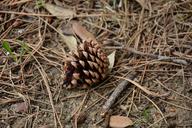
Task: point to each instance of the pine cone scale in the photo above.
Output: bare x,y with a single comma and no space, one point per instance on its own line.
86,66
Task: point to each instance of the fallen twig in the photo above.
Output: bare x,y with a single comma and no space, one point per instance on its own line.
176,60
116,93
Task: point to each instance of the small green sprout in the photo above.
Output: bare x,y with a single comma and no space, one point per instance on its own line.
7,47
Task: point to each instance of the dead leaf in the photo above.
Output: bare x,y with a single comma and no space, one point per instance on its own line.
120,121
70,40
111,58
67,29
80,31
143,3
59,12
20,107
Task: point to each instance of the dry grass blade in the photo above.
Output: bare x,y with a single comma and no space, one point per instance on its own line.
157,108
160,83
153,38
159,57
179,106
43,75
6,101
18,2
143,88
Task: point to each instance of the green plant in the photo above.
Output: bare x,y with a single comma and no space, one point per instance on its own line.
39,3
7,47
17,57
23,49
146,114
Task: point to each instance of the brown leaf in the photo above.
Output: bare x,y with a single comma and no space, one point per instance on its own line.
20,107
59,12
80,31
67,29
120,121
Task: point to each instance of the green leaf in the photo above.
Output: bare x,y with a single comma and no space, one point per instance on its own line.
39,4
6,46
146,114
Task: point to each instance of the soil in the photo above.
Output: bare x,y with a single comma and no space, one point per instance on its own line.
32,55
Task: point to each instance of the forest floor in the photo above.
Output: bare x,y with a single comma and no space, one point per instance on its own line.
152,38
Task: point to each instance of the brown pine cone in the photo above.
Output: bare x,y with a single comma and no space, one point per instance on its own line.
86,66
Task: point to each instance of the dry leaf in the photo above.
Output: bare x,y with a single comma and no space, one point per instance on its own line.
20,107
70,41
120,121
143,3
67,29
111,58
80,31
59,12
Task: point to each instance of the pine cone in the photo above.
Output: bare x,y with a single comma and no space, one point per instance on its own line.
86,66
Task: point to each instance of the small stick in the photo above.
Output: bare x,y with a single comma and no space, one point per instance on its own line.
111,100
176,60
